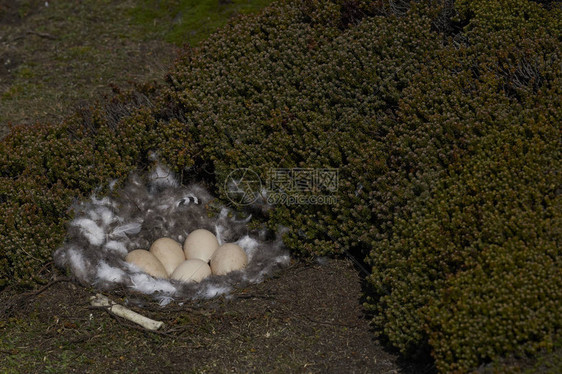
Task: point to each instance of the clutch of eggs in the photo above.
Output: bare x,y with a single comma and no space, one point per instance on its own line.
199,257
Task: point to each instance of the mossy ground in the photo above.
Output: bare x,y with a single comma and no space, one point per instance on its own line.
189,21
55,58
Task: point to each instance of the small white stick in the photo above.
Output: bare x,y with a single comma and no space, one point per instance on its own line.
101,301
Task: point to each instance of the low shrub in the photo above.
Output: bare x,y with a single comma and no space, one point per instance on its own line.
401,110
474,271
471,271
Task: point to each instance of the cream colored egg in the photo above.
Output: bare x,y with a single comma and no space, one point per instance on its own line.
200,244
147,262
228,257
169,252
192,271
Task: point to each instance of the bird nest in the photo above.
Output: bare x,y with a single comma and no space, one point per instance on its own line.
152,206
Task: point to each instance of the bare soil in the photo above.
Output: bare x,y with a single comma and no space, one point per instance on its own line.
56,56
307,318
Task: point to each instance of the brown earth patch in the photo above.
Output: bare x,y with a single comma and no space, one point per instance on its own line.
308,318
56,58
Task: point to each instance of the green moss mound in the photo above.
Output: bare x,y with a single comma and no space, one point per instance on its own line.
442,119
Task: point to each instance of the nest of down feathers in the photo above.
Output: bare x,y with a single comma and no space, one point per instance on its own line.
105,229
